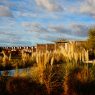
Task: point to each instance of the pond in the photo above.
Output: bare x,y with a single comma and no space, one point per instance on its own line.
13,72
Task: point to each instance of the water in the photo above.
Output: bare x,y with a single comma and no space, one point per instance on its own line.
12,72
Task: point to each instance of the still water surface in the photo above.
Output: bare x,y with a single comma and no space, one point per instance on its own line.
12,72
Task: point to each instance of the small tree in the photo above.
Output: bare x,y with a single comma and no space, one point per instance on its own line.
91,39
91,43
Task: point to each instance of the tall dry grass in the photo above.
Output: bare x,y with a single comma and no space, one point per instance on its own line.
5,59
79,80
64,65
61,72
67,55
48,70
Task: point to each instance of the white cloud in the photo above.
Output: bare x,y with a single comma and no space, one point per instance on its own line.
74,29
88,7
5,11
81,7
34,27
30,24
49,5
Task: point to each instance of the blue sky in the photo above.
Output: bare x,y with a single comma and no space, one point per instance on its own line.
28,22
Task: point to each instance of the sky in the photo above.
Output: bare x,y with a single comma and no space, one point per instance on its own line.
28,22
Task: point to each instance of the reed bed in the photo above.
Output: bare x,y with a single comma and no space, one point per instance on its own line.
61,72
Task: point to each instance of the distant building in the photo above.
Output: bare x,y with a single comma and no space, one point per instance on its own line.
33,48
45,47
60,43
50,47
41,48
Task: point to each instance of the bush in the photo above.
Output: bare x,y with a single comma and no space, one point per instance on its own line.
24,86
53,79
79,81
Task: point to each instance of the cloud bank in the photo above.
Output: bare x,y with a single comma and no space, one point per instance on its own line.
27,22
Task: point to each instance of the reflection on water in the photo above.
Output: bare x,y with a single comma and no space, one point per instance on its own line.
13,72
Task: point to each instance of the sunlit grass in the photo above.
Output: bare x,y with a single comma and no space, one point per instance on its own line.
61,72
